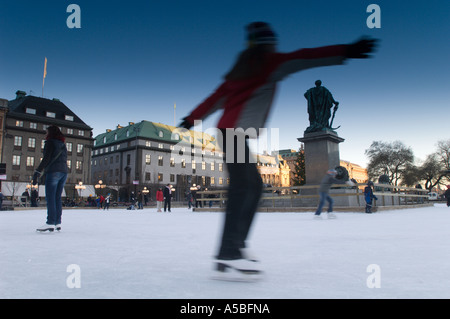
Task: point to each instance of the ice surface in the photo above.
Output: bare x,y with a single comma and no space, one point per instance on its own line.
145,254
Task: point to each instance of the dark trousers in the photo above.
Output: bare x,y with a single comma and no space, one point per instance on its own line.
166,204
244,192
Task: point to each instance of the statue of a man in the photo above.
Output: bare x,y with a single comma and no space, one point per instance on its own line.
320,102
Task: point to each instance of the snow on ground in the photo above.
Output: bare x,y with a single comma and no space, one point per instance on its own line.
145,254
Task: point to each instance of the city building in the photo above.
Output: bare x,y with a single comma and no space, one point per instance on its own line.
25,124
148,155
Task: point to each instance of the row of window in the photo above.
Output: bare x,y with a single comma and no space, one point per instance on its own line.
30,162
32,111
149,144
33,125
32,144
105,161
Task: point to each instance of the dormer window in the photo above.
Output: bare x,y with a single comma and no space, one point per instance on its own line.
161,134
68,118
30,111
50,114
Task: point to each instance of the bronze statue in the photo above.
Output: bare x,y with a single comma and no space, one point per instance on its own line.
320,102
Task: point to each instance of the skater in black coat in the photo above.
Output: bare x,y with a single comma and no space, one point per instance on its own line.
447,195
167,196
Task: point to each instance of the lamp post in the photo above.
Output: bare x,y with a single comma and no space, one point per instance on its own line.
80,187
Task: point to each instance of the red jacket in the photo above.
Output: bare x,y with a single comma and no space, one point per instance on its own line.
246,103
159,196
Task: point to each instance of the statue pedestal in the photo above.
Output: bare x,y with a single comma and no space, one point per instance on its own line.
321,154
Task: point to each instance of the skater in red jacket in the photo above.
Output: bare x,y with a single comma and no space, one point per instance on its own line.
246,96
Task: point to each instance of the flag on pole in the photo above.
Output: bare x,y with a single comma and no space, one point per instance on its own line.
45,75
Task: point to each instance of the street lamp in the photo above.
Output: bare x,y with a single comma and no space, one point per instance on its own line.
80,187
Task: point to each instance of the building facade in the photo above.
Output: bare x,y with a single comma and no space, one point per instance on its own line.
24,132
151,155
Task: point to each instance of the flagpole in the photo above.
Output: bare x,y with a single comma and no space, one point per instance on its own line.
174,112
45,74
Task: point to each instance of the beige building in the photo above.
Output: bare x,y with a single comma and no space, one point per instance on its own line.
274,170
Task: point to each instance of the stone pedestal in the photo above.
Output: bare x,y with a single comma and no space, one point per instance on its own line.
321,154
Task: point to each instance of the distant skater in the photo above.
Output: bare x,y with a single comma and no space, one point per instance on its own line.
324,190
447,195
369,197
245,98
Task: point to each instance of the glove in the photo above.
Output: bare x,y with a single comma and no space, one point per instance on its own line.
361,48
36,176
185,123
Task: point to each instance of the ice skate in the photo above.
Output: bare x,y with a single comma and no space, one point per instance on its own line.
58,227
317,217
248,254
45,228
236,270
331,216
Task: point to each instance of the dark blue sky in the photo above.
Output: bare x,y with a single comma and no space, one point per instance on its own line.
132,60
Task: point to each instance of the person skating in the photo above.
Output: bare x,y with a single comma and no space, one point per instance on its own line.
54,162
324,190
246,96
369,197
447,195
167,197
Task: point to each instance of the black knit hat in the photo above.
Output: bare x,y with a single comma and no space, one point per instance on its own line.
260,33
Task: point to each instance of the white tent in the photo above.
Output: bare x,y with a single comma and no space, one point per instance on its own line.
16,189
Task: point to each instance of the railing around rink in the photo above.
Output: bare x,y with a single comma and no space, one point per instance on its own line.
345,196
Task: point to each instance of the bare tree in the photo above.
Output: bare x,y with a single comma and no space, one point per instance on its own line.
389,159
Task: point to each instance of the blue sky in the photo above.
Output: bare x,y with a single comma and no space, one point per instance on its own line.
131,61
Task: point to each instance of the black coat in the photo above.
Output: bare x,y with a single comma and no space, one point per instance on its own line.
167,194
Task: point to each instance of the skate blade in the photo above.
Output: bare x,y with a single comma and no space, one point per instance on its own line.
235,275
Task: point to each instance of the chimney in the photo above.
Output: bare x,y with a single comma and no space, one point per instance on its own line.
20,94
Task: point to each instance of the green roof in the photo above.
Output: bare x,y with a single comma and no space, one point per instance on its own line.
154,131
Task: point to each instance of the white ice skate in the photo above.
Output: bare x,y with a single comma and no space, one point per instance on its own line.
248,254
58,227
236,270
45,228
331,216
317,217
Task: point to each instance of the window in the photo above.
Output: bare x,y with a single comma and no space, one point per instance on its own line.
160,177
70,131
194,166
79,165
213,180
203,165
44,127
17,140
212,166
160,145
69,164
68,117
69,147
33,125
220,180
30,161
104,139
161,134
160,160
50,114
115,137
172,162
220,167
79,148
147,176
30,111
81,132
148,143
19,123
31,142
16,160
183,163
42,144
172,178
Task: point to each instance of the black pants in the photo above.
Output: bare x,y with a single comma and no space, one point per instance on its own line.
244,192
166,204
